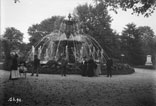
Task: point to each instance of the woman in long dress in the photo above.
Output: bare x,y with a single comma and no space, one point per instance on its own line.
91,67
98,69
14,67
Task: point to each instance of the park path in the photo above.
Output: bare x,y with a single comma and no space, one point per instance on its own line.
3,78
134,89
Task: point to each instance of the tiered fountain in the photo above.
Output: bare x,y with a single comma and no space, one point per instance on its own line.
70,42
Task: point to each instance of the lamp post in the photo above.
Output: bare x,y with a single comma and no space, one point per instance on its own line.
122,58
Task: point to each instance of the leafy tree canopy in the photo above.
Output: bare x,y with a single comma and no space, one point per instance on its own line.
145,7
137,42
37,31
94,18
14,37
96,21
13,34
12,41
146,34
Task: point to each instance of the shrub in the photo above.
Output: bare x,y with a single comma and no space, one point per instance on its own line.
119,69
52,67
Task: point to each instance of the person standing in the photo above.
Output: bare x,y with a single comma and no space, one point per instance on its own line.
109,65
98,69
36,65
14,67
84,67
91,67
64,63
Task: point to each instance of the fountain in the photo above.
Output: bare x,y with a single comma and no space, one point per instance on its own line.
70,42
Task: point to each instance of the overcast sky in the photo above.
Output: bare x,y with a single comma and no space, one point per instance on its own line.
28,12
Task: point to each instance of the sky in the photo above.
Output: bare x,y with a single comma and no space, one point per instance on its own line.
28,12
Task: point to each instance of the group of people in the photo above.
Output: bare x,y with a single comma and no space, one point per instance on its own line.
18,66
90,68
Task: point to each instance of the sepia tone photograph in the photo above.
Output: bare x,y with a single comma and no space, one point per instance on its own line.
77,53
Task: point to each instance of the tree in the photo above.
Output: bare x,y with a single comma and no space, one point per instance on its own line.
132,45
47,26
145,7
149,42
14,36
1,50
146,34
154,51
95,21
12,40
35,34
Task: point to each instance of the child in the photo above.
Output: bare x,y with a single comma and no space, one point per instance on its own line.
22,69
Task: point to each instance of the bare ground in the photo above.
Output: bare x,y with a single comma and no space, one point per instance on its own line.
138,89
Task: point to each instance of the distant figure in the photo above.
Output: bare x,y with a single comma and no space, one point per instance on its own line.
64,63
91,67
84,67
98,69
36,65
14,66
109,65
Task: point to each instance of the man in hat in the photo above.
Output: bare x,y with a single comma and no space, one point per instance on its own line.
109,65
36,65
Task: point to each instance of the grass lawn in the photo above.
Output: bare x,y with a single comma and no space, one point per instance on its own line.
138,89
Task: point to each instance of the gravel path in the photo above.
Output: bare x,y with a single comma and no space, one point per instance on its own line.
138,89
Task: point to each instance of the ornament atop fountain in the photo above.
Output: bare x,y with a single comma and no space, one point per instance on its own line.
69,27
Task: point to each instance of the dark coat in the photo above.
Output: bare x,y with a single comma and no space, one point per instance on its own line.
109,64
36,63
84,68
14,65
91,67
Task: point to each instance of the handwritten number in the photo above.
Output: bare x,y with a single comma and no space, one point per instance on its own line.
13,99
